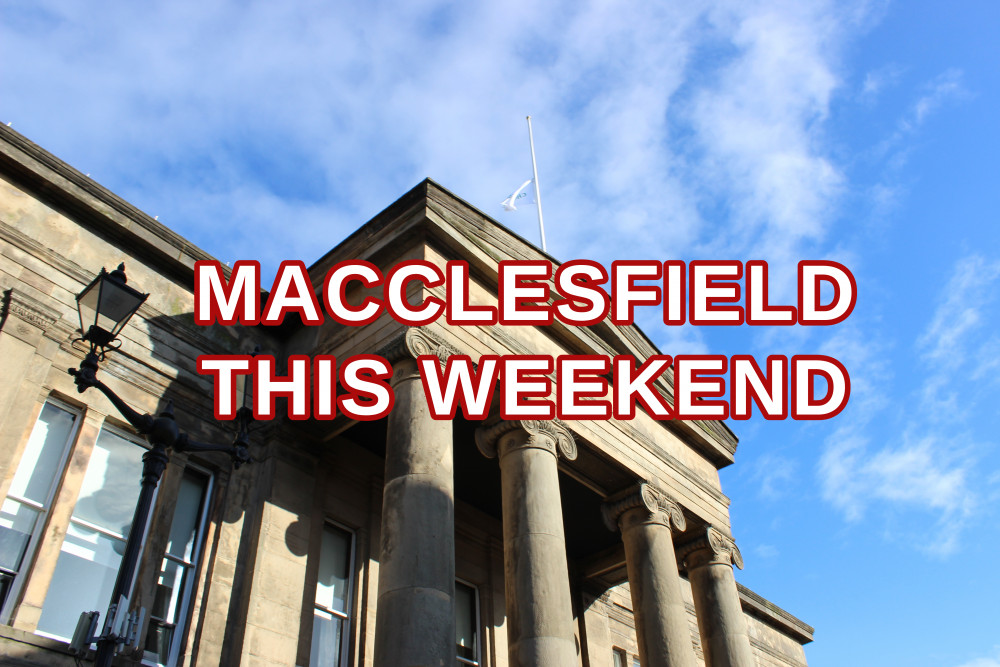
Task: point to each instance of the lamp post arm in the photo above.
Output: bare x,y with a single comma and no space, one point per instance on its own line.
141,422
238,451
86,377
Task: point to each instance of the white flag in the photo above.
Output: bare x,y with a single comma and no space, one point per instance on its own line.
519,196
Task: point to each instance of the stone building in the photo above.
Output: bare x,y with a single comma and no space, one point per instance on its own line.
401,541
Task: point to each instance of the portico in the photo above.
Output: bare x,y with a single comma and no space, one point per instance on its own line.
393,542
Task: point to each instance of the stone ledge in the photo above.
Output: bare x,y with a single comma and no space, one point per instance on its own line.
26,649
773,615
49,178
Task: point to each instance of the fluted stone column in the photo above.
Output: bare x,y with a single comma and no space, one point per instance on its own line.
415,615
645,516
536,576
709,561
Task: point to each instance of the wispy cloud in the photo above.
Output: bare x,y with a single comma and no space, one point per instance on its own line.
960,312
766,551
945,87
295,123
758,126
928,462
955,339
876,81
893,152
774,474
915,477
988,661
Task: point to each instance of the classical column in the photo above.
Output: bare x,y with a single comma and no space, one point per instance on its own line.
415,615
645,515
536,576
709,561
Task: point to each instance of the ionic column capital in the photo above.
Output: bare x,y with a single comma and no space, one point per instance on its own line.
499,436
710,548
415,342
659,506
409,345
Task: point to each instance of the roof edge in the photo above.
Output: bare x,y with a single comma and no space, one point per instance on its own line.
772,614
74,193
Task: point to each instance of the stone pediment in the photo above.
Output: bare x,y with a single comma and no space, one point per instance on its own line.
432,221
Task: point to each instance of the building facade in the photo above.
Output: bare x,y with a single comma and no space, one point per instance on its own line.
401,541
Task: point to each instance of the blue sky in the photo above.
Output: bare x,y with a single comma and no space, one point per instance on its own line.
859,131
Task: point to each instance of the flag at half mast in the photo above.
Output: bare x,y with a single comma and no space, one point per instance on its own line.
520,196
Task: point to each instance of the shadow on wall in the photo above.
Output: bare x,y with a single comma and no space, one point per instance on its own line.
239,495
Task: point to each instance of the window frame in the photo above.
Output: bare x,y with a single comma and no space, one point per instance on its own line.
187,595
479,626
41,523
348,615
138,441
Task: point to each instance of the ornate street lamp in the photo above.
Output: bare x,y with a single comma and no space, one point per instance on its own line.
105,306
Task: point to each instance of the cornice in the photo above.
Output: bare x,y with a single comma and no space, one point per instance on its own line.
28,309
87,201
771,614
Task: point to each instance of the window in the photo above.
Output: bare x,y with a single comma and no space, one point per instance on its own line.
175,580
620,658
30,496
331,620
466,624
95,538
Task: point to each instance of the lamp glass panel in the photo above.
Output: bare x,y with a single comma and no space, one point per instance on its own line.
117,303
86,304
244,391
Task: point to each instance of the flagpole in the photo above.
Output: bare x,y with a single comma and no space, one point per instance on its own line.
538,194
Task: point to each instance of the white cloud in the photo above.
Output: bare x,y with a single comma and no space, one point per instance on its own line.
272,130
766,551
926,463
877,80
774,474
945,87
927,476
988,661
893,152
759,123
960,312
954,341
294,123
